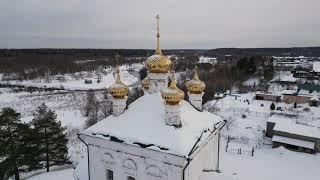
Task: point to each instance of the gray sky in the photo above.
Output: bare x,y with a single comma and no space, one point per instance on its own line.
184,23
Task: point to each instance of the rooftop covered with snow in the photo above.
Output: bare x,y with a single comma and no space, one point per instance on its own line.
316,66
289,125
143,124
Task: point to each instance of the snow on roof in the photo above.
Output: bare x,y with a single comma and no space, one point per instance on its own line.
307,93
295,142
316,66
144,123
215,176
288,125
290,92
285,77
314,98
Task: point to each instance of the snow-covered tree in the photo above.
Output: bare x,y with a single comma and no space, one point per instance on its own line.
52,142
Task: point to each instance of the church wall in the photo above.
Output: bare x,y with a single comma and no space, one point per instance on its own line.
127,160
206,159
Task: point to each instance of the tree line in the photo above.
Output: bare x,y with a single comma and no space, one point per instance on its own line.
24,147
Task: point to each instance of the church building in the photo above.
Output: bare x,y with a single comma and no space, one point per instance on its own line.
160,136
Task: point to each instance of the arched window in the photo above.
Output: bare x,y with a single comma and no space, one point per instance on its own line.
108,160
130,169
154,173
109,163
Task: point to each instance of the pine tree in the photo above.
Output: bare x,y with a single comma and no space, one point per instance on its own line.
14,149
52,142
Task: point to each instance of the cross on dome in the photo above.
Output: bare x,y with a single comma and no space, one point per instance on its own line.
158,50
158,63
118,90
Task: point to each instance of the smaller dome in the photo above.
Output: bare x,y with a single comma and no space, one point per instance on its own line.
118,90
172,94
195,85
158,63
145,83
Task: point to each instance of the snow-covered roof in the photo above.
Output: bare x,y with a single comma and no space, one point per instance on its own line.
290,126
295,142
290,92
314,98
316,66
143,123
285,78
307,93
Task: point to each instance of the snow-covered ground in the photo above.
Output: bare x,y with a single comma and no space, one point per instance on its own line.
66,174
211,60
267,163
252,82
77,81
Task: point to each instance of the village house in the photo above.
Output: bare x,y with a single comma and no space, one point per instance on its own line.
288,133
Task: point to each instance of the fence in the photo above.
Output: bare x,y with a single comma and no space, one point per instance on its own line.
240,150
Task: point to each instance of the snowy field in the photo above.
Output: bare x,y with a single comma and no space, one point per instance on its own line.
66,174
77,81
275,164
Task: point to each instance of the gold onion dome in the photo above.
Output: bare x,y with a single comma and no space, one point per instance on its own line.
118,90
145,83
172,94
158,63
195,85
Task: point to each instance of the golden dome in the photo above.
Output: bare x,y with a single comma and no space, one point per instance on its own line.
195,85
145,83
172,94
158,63
118,90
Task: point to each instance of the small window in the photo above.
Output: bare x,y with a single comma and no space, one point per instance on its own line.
109,174
130,178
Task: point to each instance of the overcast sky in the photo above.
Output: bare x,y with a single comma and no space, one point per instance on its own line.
184,23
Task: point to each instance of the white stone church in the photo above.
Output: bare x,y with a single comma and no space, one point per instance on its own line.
159,136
